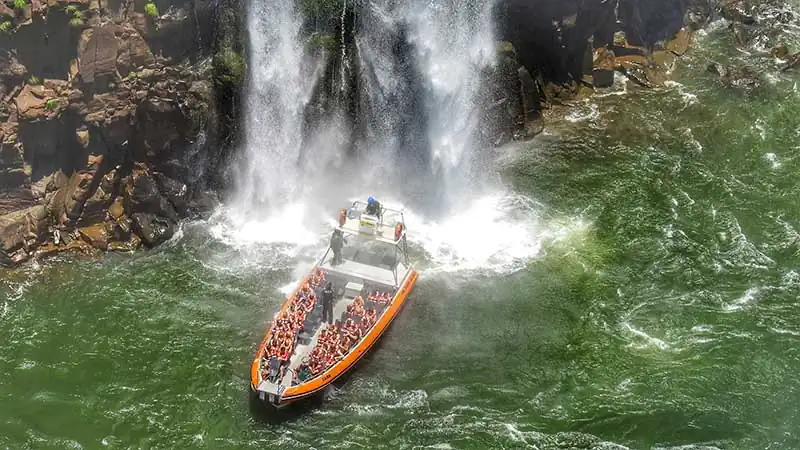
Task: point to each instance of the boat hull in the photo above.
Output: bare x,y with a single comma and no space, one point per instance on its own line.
317,385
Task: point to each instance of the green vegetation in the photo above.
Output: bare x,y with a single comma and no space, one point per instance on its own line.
34,80
20,4
51,104
77,16
229,68
150,9
506,47
5,27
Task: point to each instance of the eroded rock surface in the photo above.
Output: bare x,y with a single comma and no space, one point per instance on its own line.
99,111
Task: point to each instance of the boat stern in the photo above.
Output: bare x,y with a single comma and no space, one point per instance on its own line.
263,390
268,394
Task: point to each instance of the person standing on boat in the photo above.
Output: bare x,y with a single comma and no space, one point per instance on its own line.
327,303
337,242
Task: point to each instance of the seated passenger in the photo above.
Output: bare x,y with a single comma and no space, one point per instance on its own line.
371,316
304,373
357,307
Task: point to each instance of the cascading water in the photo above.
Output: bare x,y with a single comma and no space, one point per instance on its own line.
280,84
454,43
426,62
421,66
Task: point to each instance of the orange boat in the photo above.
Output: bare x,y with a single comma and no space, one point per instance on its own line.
371,280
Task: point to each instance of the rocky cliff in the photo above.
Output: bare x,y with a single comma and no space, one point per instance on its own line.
113,120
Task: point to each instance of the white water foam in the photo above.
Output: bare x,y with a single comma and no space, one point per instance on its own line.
744,300
496,232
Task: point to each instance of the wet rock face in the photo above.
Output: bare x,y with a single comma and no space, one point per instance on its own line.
554,38
99,122
570,46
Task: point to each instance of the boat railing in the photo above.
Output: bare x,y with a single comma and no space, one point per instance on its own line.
384,213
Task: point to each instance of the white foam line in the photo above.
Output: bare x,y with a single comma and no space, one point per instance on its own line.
744,300
497,232
650,340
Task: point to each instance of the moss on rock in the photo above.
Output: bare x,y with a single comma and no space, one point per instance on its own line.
230,69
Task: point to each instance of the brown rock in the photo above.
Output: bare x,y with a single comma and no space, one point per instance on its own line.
133,243
630,62
43,186
6,13
10,67
793,61
35,102
94,162
96,206
603,71
663,59
67,204
116,210
73,69
679,45
737,11
76,246
56,85
82,136
20,228
139,22
95,235
19,256
780,51
133,52
99,53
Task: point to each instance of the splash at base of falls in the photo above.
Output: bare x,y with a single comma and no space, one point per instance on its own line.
496,232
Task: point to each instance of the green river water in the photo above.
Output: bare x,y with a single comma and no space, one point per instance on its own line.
663,314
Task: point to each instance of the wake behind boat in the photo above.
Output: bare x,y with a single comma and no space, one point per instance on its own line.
339,310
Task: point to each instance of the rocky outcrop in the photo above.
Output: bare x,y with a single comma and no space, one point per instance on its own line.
566,46
106,128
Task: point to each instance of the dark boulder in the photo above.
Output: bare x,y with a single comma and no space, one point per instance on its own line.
175,191
144,196
152,229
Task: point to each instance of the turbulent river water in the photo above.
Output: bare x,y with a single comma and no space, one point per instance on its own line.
635,286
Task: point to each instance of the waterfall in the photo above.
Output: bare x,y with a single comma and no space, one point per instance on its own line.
397,116
425,101
454,43
280,83
420,64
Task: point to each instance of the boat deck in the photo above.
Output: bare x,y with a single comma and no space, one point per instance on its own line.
302,351
365,272
350,279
